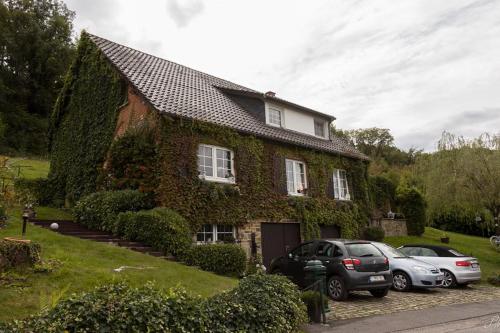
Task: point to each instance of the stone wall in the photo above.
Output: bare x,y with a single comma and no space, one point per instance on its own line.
392,227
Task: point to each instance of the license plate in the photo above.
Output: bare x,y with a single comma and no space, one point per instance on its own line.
474,266
377,278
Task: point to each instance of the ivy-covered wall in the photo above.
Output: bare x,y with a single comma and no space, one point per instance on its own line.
83,123
163,160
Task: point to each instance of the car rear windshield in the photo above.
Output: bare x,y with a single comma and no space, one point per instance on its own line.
362,250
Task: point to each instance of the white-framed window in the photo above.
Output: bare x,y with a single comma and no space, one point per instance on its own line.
320,128
296,182
215,164
274,116
340,185
211,233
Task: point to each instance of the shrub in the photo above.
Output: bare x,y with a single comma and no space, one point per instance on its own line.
99,210
462,219
119,308
160,228
226,259
382,192
13,254
261,303
412,204
375,234
33,191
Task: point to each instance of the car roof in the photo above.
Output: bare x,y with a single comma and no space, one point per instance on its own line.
344,241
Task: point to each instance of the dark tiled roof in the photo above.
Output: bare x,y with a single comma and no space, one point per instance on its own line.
185,92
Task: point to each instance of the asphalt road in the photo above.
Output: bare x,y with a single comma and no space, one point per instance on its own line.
481,317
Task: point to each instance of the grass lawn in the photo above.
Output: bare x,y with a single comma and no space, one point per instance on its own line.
86,264
29,168
478,247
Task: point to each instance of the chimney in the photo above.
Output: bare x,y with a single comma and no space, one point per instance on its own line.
270,94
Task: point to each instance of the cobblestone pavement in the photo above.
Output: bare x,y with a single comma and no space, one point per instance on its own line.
362,304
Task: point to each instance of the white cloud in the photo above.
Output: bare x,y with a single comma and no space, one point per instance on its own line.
417,67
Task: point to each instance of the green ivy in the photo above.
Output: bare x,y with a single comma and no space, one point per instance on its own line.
83,123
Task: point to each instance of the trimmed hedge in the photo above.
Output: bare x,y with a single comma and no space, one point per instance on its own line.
375,234
33,191
413,205
225,259
13,254
99,210
160,228
261,303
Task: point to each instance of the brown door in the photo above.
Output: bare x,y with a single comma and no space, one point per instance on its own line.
278,239
329,231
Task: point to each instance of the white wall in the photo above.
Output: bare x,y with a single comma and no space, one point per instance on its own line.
296,120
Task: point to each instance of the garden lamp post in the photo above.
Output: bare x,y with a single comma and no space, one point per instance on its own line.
25,221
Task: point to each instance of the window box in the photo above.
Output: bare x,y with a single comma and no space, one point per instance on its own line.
216,164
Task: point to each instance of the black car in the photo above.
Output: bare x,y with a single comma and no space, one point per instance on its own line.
350,264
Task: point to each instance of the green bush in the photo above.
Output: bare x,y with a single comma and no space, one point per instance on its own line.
33,191
382,192
119,308
99,210
462,219
226,259
375,234
13,254
160,228
261,303
412,205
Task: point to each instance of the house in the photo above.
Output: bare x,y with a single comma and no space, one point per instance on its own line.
239,164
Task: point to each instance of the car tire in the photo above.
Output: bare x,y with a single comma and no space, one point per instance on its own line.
379,293
336,288
449,280
401,281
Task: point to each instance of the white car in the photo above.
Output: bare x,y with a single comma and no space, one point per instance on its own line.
458,269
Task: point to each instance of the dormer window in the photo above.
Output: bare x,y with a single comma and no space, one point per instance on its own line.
320,128
274,116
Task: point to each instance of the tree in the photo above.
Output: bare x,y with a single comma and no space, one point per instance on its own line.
36,49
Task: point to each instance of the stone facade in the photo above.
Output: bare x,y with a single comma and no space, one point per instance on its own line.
392,227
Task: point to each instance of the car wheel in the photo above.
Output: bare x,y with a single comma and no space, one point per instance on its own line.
401,281
449,280
336,288
379,293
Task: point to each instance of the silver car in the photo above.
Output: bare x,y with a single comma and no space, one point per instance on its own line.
458,268
408,273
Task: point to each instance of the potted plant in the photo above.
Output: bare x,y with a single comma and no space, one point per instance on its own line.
445,239
312,299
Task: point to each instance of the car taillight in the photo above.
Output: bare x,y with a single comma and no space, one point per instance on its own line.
462,263
386,261
350,263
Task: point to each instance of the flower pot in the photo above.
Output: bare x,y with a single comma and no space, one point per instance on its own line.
314,312
445,240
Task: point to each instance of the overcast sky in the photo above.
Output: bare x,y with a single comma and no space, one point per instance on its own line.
417,67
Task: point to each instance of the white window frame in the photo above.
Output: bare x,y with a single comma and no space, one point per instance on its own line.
275,108
338,188
296,178
215,178
214,234
324,136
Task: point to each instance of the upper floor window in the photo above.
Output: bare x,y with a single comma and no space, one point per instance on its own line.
215,164
274,116
296,183
319,128
340,185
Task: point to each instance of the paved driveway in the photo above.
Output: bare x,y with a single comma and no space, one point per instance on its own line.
362,304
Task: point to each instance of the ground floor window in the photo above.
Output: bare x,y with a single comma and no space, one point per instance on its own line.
211,233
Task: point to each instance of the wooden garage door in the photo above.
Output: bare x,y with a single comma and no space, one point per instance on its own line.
278,239
329,231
